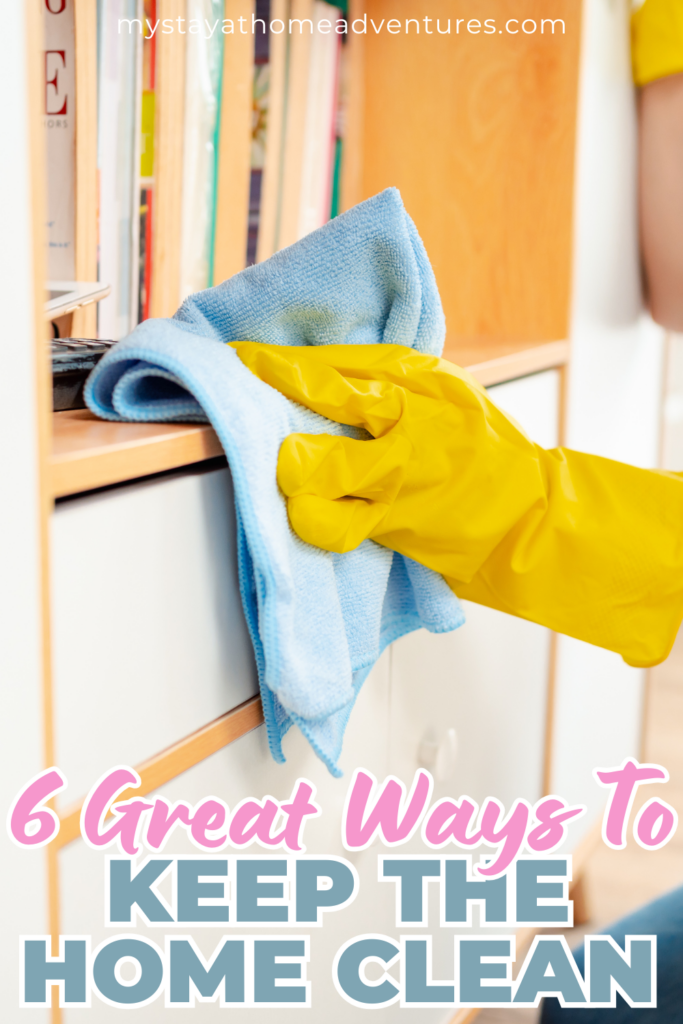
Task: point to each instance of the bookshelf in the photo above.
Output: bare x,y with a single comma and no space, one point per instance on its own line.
477,132
487,177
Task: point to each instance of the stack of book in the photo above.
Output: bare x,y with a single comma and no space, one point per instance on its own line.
285,118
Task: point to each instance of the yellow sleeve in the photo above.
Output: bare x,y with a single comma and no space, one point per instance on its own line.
657,40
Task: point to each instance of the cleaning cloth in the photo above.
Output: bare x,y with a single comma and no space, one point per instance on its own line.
318,620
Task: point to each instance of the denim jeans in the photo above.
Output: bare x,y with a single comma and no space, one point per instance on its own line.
663,918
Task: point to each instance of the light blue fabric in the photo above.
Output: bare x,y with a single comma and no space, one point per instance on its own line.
318,621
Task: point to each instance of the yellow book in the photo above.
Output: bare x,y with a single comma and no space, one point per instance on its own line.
147,132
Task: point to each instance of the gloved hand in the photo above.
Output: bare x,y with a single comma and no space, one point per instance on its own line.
581,544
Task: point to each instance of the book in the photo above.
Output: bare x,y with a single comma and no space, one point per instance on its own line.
267,155
319,143
204,61
295,141
259,126
230,242
340,119
301,126
146,182
60,130
118,163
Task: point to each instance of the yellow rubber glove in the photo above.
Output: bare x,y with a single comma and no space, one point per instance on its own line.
581,544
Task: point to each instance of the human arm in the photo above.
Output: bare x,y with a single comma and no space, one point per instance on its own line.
657,43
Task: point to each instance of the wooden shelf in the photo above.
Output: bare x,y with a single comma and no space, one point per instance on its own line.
88,453
494,362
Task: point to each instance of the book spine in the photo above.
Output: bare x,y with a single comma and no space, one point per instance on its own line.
321,103
234,142
118,156
266,228
204,58
146,163
60,128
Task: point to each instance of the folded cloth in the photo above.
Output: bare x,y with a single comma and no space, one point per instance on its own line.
318,621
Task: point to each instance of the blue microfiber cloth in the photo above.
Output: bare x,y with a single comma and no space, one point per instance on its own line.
318,621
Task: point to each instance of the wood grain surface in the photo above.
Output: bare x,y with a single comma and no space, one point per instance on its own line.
88,453
477,131
35,84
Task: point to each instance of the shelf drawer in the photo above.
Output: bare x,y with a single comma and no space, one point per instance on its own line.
150,642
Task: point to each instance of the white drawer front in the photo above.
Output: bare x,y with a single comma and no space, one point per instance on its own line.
245,768
150,641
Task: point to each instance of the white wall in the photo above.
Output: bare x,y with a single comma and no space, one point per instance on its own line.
22,893
615,381
616,349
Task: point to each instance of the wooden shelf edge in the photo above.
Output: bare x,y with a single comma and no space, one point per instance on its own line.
87,469
169,763
518,363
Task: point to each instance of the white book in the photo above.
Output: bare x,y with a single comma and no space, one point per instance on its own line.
319,133
204,55
118,160
60,129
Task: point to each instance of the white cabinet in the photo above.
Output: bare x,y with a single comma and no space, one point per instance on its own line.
160,648
245,768
598,722
150,642
488,682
